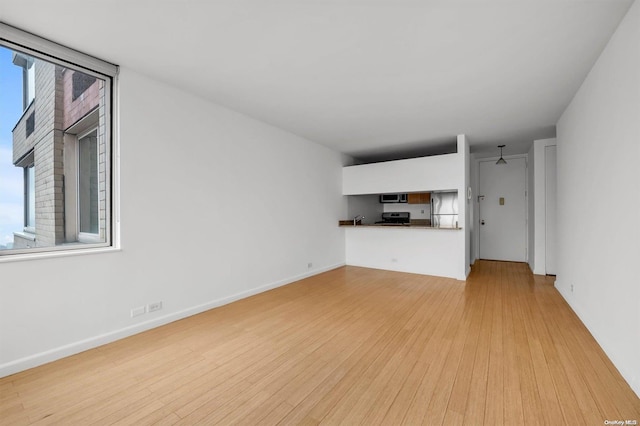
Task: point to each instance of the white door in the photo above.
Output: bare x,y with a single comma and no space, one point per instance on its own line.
502,210
550,209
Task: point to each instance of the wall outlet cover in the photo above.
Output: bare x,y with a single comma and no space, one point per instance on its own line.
155,306
140,310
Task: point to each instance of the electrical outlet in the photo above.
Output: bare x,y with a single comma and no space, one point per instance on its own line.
155,306
394,260
571,288
140,310
309,265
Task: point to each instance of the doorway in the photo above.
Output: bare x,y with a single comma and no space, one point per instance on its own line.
502,208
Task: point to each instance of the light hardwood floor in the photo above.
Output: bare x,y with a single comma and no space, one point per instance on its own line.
350,346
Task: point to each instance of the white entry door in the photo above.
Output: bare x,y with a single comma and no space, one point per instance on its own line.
502,211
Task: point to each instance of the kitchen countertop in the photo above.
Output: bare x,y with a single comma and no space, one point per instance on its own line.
349,224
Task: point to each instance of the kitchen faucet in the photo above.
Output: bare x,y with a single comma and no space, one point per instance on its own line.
357,218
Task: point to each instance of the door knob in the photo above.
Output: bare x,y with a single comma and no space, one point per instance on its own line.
482,222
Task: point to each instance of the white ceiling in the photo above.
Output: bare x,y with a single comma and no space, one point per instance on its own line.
370,78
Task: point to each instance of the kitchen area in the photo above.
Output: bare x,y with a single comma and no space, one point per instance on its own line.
435,209
410,215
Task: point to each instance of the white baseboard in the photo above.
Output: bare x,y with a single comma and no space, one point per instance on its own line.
102,339
563,293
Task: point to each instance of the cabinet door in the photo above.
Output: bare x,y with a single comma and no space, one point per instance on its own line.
413,198
419,198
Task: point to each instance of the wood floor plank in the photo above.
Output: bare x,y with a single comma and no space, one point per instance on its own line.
494,410
349,346
437,310
60,402
154,413
531,403
358,364
478,388
513,412
297,385
556,375
462,385
386,367
415,394
545,389
275,416
428,403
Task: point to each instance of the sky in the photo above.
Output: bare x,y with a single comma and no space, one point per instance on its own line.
11,191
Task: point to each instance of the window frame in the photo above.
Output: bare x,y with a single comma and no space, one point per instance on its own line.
29,183
40,48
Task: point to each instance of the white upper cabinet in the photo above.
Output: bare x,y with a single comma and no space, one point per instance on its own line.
437,172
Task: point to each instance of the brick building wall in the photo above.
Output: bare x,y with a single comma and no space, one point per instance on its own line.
74,110
46,144
56,111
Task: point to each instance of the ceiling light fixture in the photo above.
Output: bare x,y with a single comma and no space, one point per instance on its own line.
501,160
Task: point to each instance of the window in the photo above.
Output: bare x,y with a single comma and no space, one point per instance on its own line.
88,183
31,124
69,149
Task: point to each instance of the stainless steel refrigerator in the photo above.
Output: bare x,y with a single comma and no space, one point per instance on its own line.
444,209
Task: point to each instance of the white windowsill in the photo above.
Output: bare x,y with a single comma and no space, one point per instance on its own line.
59,253
25,235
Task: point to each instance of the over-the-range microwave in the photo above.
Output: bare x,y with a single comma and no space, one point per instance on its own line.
393,198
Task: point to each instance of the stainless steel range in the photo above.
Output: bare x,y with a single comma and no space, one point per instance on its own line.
395,218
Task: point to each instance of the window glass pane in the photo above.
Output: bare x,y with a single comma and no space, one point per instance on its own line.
88,183
53,119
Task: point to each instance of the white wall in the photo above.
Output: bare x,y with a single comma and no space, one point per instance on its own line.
215,206
551,210
538,255
438,252
438,172
473,212
598,151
